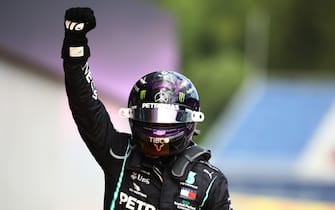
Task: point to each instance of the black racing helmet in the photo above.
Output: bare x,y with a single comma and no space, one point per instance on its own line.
163,109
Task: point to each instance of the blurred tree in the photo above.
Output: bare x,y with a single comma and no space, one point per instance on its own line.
301,37
213,41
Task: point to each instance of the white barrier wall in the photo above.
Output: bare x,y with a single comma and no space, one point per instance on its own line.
44,164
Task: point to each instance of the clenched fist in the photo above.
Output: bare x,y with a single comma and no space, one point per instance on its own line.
78,21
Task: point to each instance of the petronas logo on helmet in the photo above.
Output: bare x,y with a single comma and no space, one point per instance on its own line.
160,106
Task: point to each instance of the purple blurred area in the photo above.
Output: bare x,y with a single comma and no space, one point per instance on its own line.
132,38
44,163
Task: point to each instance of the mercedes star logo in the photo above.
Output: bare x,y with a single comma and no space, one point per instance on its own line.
161,97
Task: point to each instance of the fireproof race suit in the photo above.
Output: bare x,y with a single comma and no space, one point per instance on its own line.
133,181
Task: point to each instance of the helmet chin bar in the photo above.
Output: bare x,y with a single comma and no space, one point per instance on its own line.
174,141
190,116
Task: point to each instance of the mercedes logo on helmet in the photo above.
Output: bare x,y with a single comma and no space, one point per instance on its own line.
161,97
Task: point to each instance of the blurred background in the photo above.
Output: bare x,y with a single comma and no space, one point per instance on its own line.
264,70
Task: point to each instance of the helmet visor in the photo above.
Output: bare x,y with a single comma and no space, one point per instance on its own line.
162,115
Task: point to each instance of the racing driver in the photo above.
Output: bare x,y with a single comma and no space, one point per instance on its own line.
157,166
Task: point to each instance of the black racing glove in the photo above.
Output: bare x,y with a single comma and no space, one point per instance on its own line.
78,21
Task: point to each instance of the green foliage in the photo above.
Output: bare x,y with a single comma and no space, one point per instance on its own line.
212,40
301,38
216,78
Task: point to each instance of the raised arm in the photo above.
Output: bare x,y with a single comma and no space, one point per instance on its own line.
89,113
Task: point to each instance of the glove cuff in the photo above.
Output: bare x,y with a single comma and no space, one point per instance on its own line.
75,48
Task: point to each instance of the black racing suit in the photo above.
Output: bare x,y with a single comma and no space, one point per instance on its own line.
133,181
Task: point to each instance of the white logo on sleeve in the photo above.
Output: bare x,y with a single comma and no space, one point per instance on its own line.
76,52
